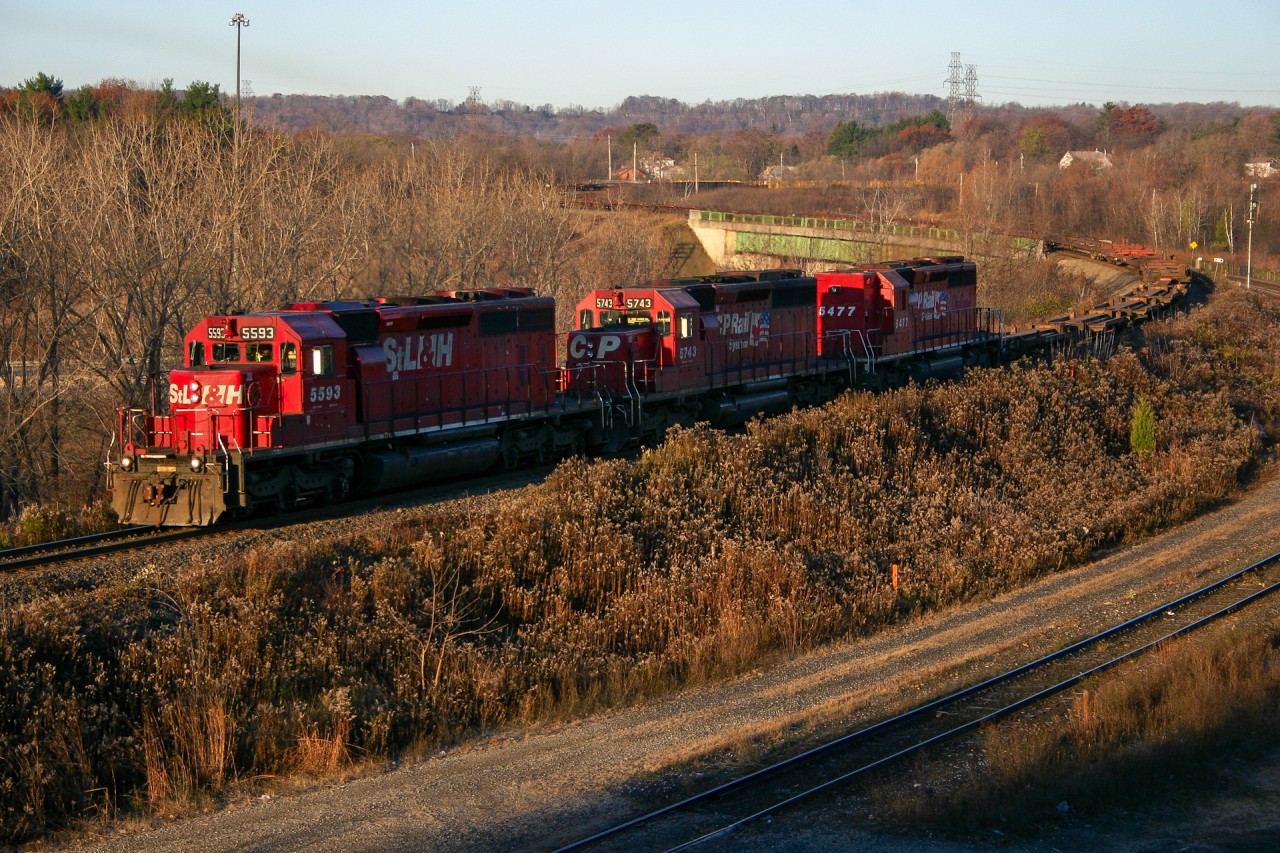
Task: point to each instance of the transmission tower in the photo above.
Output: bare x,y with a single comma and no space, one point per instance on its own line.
473,99
970,90
955,77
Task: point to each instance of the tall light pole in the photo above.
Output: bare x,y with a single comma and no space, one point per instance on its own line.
1253,216
238,21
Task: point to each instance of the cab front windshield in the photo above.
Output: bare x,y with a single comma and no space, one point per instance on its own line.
612,318
247,353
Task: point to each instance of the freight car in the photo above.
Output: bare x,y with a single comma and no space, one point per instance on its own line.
316,401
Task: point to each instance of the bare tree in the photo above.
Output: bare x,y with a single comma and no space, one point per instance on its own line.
542,227
153,224
43,276
888,202
301,224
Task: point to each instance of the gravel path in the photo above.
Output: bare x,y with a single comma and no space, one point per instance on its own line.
528,790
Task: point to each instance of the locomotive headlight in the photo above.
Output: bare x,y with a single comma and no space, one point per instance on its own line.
126,463
197,464
193,391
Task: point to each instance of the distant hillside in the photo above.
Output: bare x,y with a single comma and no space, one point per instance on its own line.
790,114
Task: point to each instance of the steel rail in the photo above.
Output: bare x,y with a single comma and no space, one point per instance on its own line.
935,705
73,542
125,540
970,725
49,553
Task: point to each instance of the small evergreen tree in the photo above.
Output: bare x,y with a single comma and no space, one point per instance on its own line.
1142,428
848,139
40,97
83,105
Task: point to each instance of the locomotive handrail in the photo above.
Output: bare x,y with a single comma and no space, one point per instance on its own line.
760,369
258,433
649,366
844,338
869,349
636,402
633,394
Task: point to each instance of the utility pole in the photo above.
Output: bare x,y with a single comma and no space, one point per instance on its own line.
635,176
609,175
1253,216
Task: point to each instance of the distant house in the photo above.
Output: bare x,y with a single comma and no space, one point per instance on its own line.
1096,159
651,169
779,173
1264,169
626,173
660,168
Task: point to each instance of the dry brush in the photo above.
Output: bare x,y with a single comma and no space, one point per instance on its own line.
616,579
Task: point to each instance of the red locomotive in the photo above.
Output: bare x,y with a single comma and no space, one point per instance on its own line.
726,347
316,400
302,404
899,310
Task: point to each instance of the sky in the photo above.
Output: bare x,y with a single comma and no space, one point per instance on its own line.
592,54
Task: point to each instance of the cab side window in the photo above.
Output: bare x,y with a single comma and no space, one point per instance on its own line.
288,357
195,354
685,329
322,360
664,324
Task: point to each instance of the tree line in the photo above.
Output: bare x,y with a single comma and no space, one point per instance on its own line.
126,214
1177,175
119,231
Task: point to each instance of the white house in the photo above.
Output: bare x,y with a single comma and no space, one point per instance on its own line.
1264,169
1096,159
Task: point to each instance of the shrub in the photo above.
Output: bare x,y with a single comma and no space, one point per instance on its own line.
1142,430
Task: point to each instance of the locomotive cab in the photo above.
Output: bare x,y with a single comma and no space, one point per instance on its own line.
849,316
248,383
635,340
232,378
176,458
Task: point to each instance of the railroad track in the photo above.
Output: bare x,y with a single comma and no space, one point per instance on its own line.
1267,288
706,819
47,554
84,547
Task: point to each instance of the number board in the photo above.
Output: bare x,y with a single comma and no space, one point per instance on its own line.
258,333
